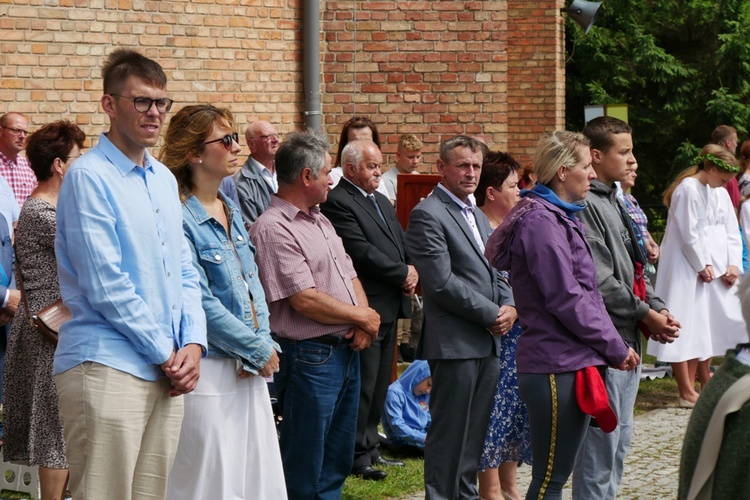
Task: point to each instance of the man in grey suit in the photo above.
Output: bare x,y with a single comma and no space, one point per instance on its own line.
467,307
256,181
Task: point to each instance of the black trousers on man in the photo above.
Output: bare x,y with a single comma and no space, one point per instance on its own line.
375,373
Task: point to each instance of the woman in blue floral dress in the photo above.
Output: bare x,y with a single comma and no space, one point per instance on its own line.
508,442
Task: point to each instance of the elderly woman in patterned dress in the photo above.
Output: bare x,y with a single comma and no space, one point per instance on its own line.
33,432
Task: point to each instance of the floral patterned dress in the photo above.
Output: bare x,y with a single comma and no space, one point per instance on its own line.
508,438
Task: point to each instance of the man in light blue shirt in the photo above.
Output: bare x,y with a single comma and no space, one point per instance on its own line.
138,331
9,296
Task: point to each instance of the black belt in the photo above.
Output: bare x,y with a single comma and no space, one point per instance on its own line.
330,340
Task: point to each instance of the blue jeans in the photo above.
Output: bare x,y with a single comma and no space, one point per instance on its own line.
318,393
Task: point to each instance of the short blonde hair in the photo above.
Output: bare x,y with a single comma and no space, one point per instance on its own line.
557,149
410,142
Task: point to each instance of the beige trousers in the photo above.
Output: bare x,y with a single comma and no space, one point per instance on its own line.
121,432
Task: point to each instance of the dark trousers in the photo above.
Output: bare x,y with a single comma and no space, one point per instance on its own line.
460,406
317,387
558,427
375,372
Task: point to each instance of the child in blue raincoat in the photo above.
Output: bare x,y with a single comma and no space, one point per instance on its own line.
406,415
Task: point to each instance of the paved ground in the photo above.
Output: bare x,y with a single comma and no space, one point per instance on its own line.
652,466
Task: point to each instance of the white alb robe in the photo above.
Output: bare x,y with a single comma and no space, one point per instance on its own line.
702,229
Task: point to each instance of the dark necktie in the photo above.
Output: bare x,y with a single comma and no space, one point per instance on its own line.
371,198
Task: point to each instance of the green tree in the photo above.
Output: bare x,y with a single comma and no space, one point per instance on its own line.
682,66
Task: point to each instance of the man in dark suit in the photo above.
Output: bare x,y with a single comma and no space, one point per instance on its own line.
467,307
366,222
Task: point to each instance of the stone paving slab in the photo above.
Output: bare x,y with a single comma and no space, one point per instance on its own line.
653,463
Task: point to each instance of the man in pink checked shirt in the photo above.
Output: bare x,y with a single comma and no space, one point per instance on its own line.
13,131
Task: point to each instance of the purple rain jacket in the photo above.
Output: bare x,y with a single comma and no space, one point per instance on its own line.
565,324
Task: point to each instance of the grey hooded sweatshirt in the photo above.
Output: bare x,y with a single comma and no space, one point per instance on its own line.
612,246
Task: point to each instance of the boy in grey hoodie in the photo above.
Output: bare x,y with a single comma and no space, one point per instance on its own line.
613,241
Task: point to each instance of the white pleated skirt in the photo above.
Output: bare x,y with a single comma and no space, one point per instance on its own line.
228,448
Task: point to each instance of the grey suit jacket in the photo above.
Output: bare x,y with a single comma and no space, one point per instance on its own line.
253,192
462,291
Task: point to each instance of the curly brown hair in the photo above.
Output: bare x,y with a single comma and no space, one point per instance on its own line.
54,140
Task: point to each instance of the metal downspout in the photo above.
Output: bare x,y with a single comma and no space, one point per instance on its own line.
311,64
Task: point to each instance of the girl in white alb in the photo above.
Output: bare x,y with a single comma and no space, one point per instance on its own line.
701,258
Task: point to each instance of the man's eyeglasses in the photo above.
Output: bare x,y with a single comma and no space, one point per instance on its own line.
226,141
270,137
17,131
143,104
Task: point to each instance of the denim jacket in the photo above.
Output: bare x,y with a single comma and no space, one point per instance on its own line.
225,298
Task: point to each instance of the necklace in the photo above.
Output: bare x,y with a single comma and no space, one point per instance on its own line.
493,221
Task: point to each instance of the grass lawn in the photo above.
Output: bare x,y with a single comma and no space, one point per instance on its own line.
400,481
5,494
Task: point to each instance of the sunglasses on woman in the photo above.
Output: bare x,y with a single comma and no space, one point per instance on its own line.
226,141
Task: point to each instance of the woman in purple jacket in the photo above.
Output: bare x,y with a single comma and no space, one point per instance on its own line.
566,327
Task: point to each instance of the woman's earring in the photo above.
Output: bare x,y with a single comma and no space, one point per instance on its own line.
200,161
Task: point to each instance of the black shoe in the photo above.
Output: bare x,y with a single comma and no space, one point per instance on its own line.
388,463
407,352
368,472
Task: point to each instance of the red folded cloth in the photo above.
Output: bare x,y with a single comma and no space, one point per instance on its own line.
639,290
592,398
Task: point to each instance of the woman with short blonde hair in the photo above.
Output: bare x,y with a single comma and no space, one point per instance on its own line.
567,332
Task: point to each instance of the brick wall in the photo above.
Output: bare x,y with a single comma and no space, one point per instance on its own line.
490,68
493,69
536,73
244,55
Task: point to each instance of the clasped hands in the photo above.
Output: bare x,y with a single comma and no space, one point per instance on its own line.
365,331
663,326
707,275
183,369
506,317
410,283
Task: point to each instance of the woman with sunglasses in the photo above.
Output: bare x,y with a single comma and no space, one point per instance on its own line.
228,446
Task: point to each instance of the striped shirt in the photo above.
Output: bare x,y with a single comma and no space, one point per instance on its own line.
296,251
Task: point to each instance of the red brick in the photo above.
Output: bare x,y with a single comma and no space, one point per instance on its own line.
488,68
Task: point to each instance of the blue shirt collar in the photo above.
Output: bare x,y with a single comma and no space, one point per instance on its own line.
123,164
